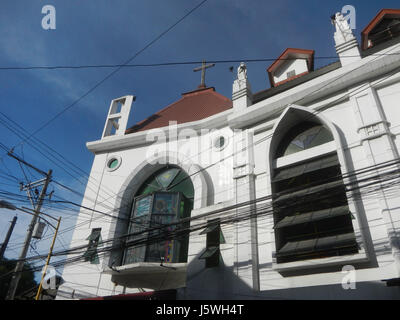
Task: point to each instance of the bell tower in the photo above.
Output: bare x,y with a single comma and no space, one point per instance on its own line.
117,118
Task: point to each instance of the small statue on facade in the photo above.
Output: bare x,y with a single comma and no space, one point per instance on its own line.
242,71
343,31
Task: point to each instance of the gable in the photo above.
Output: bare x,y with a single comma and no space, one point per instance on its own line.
383,27
291,64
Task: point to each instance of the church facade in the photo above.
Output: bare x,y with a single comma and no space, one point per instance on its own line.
287,193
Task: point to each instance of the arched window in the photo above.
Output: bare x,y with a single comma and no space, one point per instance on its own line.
311,213
304,136
166,197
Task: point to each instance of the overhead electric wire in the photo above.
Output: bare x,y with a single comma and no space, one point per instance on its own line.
377,189
279,111
55,161
362,170
156,40
179,63
313,114
113,72
66,108
78,259
235,218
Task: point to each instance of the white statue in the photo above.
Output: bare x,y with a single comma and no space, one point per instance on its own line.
241,81
343,31
242,71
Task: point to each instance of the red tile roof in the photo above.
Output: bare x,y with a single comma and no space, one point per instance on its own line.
193,106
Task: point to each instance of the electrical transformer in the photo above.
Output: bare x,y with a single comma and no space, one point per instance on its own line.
38,230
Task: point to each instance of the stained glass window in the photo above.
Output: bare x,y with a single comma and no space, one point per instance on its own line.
165,178
164,199
168,179
113,163
304,137
142,206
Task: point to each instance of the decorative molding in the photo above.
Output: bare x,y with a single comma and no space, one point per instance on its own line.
241,92
340,48
335,81
114,143
374,130
242,171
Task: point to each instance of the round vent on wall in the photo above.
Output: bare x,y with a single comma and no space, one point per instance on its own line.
220,142
113,163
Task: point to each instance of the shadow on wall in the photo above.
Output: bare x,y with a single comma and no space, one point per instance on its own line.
222,283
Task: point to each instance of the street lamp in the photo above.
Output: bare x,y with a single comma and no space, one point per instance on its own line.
7,205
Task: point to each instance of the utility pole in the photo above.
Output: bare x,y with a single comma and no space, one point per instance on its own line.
39,292
20,264
5,243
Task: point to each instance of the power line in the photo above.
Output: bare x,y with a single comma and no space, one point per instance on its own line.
179,63
28,137
66,108
265,137
233,218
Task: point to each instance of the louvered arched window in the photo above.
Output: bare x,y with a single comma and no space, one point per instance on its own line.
311,213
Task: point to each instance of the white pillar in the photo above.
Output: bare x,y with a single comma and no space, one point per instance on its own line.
241,91
379,147
345,42
246,256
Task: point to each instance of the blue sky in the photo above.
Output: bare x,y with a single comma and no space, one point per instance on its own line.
109,32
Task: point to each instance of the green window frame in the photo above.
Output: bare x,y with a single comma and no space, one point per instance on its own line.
94,241
211,255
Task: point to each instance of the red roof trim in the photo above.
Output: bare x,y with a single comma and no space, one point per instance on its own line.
283,56
291,78
286,53
372,24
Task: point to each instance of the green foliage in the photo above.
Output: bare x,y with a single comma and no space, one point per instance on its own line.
26,282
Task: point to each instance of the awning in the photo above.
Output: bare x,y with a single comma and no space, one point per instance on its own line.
300,169
149,295
150,275
95,235
210,228
209,252
306,191
318,244
312,216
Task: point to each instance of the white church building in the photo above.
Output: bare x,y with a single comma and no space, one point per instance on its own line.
287,193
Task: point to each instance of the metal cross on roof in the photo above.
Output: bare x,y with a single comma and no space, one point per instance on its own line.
203,72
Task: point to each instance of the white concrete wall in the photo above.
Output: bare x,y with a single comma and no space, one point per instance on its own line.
353,111
298,65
